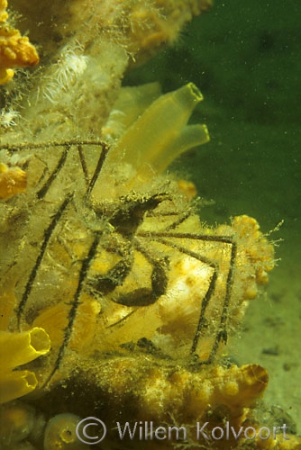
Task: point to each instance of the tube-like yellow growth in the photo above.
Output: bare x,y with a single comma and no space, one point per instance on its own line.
159,135
20,348
16,384
17,349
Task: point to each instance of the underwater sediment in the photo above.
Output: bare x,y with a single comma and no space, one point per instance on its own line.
116,301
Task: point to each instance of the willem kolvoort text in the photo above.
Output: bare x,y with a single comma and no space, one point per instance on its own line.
144,431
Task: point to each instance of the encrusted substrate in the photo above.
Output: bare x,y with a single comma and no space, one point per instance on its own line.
105,254
141,27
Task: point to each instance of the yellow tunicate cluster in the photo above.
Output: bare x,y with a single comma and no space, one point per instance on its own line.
3,13
17,349
259,251
12,181
15,50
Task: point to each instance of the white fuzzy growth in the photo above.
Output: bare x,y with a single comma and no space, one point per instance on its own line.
66,72
8,118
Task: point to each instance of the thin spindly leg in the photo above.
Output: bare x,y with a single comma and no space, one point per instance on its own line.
75,304
45,188
34,271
